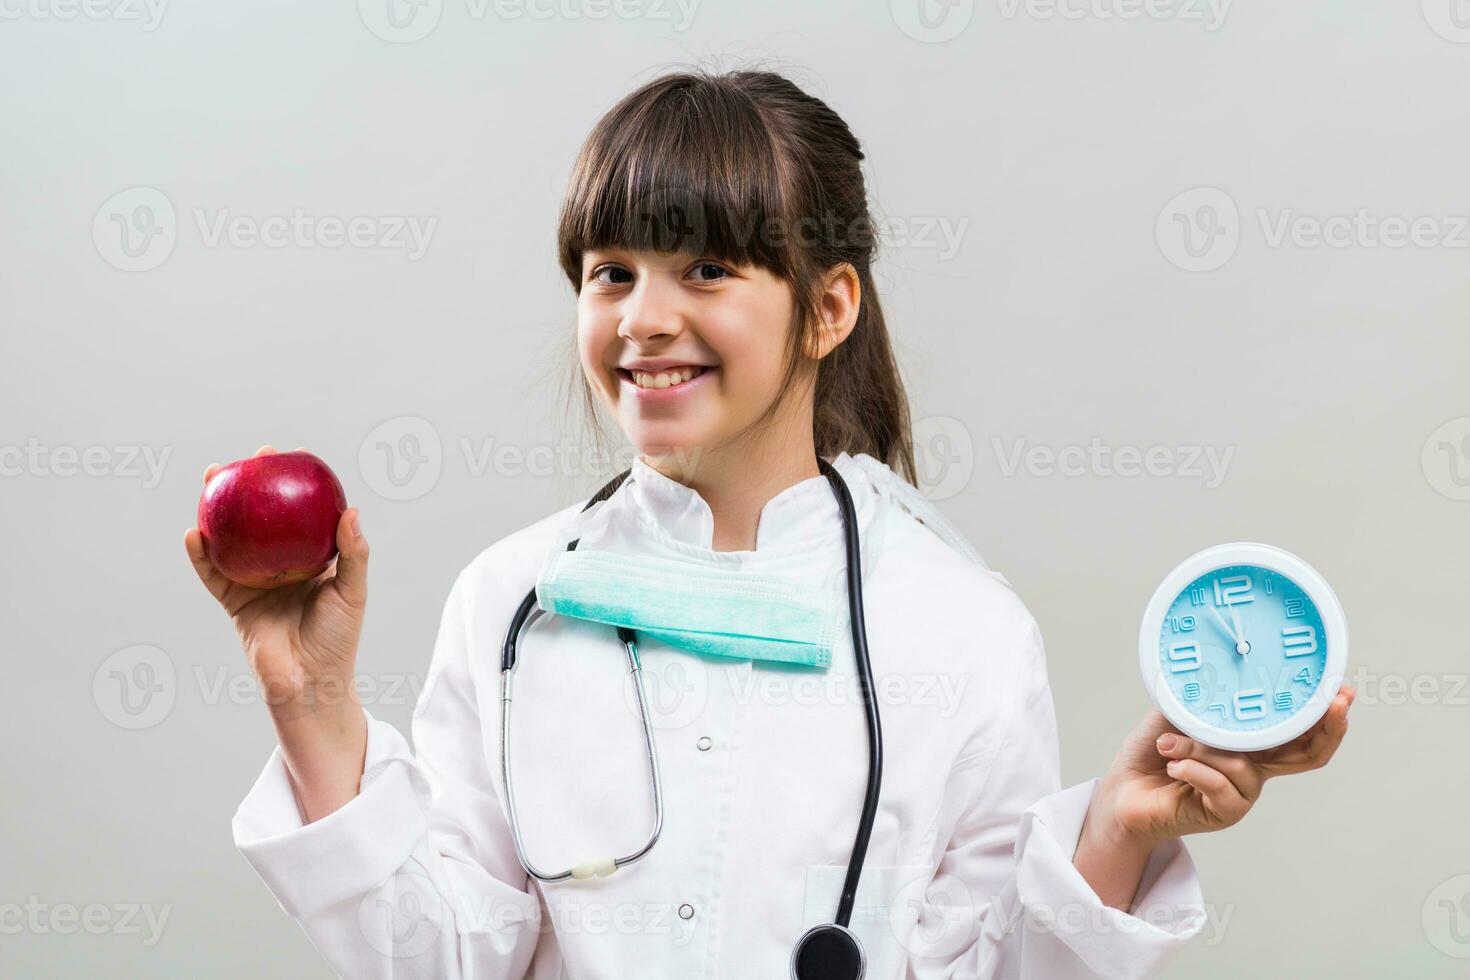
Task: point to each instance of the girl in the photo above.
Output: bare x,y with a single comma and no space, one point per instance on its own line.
716,233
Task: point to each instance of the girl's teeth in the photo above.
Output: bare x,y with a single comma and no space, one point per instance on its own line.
664,379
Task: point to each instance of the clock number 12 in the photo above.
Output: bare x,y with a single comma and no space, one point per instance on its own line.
1233,590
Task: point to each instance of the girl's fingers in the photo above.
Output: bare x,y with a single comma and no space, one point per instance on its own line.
1221,799
265,450
352,557
1315,748
1244,774
212,578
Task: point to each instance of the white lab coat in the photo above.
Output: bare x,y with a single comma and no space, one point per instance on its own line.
968,872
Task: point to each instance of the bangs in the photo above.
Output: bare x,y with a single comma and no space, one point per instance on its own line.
683,165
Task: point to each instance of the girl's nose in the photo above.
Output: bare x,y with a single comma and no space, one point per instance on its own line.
650,312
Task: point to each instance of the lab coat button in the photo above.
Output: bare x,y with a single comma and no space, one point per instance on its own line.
704,743
686,911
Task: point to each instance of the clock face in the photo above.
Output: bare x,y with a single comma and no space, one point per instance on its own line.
1243,648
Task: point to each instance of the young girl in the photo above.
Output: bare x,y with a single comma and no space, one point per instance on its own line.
716,234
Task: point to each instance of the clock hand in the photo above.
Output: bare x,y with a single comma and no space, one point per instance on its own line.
1242,645
1234,638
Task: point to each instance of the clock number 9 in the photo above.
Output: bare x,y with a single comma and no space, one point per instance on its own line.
1184,657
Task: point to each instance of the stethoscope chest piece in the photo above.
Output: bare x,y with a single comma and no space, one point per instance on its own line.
828,952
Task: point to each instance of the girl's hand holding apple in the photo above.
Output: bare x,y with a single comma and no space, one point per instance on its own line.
274,523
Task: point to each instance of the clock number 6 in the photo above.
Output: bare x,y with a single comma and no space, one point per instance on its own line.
1250,704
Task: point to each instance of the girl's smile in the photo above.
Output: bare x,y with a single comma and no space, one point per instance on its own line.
657,386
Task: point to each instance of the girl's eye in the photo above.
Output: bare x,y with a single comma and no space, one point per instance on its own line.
708,272
616,275
611,275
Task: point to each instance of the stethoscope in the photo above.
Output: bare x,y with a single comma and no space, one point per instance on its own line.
823,952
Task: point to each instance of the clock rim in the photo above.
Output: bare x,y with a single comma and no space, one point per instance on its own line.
1283,562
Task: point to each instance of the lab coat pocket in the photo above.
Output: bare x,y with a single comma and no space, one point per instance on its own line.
881,916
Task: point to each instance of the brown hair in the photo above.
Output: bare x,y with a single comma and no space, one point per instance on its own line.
745,167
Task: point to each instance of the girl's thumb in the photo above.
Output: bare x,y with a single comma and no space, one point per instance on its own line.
352,559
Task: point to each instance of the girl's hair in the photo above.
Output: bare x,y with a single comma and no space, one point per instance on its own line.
745,167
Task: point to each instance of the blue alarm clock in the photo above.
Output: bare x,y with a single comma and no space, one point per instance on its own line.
1243,646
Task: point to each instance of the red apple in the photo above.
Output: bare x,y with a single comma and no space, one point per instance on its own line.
271,520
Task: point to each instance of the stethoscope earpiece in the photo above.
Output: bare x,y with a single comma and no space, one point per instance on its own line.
828,952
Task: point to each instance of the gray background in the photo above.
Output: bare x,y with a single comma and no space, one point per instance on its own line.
1053,145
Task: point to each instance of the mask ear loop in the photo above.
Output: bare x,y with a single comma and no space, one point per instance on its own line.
528,604
911,499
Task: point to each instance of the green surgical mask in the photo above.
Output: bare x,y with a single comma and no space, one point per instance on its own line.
716,610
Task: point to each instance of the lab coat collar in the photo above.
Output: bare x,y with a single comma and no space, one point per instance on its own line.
791,523
787,520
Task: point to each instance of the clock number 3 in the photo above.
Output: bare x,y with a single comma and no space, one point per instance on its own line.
1298,641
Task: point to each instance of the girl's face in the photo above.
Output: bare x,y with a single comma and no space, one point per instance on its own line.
683,351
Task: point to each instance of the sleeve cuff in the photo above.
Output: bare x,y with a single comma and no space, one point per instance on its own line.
1168,908
309,867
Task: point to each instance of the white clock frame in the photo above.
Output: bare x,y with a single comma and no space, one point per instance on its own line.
1334,627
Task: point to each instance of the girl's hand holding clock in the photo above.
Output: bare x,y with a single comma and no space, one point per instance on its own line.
1254,683
1164,784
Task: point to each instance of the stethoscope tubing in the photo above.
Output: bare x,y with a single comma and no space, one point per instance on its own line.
586,868
528,612
858,619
